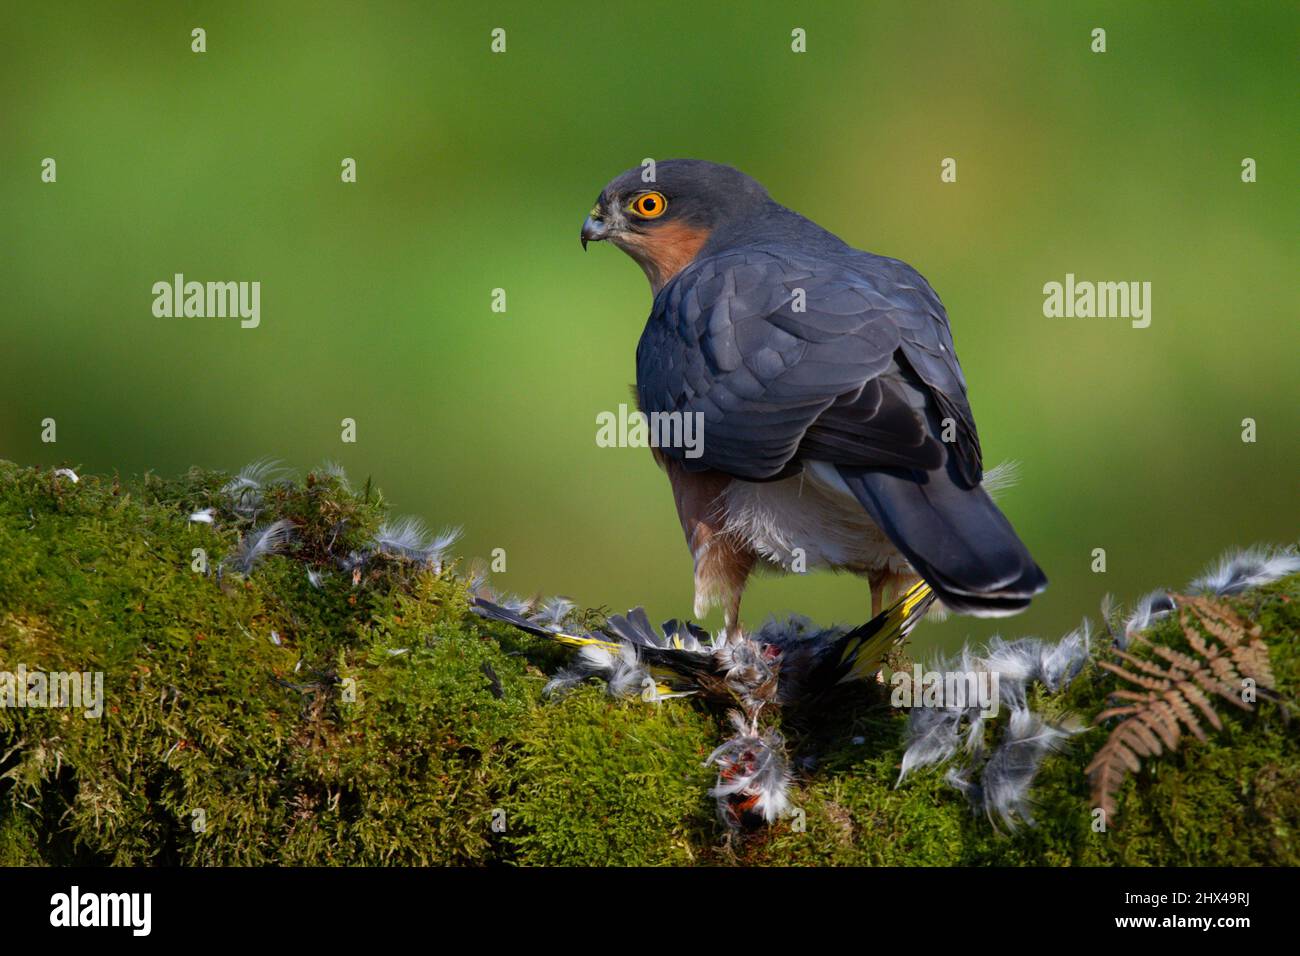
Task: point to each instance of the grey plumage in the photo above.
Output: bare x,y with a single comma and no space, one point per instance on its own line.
260,542
1061,662
1003,789
245,490
1149,609
554,613
1238,571
334,470
1000,785
932,737
516,604
353,560
408,539
1242,570
621,670
794,347
997,781
1003,786
1029,660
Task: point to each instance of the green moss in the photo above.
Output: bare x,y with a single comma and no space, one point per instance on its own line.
612,782
1230,801
389,725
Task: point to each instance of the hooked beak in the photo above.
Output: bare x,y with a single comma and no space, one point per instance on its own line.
594,229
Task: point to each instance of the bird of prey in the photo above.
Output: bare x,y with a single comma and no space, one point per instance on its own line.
836,427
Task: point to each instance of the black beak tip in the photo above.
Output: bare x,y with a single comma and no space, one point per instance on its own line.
594,229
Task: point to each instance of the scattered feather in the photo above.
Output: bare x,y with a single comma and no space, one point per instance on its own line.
260,542
998,782
244,490
517,605
1060,663
353,560
334,470
931,737
1242,570
622,671
476,580
1010,770
408,539
1149,609
553,614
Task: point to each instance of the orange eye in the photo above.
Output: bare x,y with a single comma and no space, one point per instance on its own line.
649,205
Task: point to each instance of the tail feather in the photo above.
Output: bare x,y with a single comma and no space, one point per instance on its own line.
864,648
955,538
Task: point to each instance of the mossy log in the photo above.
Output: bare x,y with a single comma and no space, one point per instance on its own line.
263,719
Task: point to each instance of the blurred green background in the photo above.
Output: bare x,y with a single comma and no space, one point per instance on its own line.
475,171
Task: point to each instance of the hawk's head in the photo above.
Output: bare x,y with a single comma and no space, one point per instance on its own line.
662,214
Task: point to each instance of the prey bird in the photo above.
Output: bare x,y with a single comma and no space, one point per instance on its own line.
836,431
785,664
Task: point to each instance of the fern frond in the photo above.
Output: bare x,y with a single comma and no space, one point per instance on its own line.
1174,690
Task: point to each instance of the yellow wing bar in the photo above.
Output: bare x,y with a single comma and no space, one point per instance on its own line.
864,655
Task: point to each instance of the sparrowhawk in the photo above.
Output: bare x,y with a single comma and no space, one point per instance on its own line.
836,427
